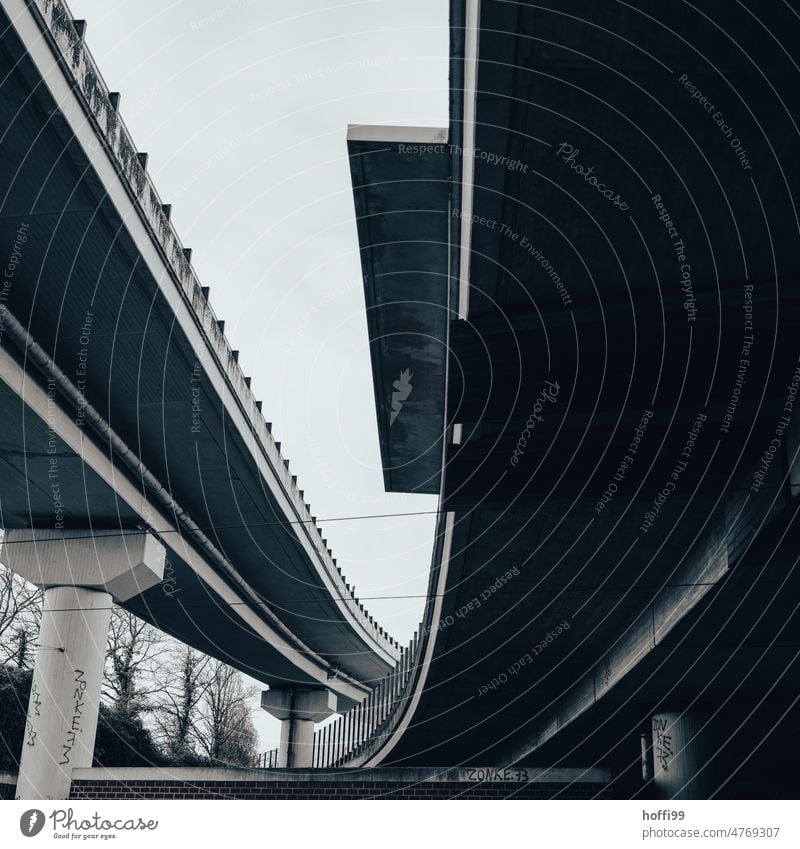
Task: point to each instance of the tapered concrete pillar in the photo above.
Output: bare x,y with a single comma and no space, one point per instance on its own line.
82,573
65,691
680,756
298,711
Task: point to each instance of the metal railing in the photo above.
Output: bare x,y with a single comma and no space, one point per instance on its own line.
352,733
267,760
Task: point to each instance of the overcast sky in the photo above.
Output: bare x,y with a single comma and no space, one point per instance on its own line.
243,107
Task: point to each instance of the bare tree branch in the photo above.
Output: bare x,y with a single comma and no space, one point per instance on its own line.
133,654
225,731
184,681
20,615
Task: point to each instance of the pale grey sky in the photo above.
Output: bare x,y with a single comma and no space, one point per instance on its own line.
243,107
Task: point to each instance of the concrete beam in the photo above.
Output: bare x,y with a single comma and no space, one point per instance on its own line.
124,564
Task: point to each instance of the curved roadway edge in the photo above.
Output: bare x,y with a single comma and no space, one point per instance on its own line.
464,26
390,736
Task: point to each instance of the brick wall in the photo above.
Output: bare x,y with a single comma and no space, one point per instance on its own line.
173,789
371,783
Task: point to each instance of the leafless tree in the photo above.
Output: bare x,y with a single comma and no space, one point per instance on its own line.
133,654
225,731
20,615
183,681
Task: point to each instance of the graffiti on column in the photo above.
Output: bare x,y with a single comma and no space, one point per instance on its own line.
77,714
663,745
33,710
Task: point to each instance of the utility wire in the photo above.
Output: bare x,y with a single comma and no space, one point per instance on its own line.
132,531
155,608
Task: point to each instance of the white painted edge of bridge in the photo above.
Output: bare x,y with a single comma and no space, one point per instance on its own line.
390,134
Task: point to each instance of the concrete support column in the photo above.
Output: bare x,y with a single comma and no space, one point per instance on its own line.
297,741
65,691
646,739
680,753
298,711
82,572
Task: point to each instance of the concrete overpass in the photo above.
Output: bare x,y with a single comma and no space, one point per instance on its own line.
609,408
131,435
583,331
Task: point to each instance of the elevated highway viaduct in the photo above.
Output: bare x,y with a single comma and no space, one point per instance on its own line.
135,462
583,327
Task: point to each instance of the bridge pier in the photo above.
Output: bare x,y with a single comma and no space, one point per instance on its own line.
65,691
680,756
298,710
82,573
